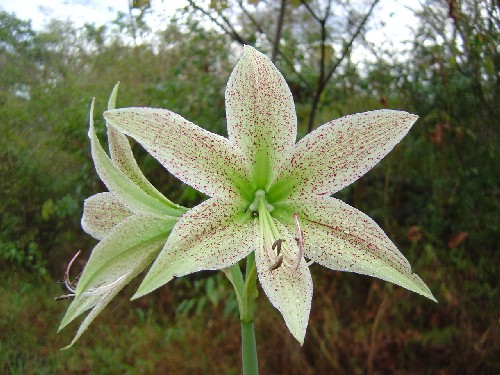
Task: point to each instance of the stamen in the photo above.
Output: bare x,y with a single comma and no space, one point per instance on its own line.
299,239
277,245
279,257
70,285
64,296
67,282
277,263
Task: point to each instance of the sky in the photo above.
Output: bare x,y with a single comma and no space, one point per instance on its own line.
78,11
394,13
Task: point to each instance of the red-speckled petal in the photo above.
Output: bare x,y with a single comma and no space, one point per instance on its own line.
341,151
206,161
129,248
289,290
123,157
95,302
116,254
101,213
343,238
213,235
261,117
119,184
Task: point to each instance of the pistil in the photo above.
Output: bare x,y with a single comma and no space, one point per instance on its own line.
260,196
70,285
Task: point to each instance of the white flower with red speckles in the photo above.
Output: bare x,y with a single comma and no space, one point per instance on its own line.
132,222
270,194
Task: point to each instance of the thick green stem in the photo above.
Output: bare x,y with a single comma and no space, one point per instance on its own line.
249,349
246,294
248,345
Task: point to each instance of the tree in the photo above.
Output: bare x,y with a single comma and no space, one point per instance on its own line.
303,36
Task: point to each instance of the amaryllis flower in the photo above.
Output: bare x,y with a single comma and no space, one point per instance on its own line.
269,194
132,222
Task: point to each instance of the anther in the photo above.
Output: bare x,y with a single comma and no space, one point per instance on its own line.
279,257
277,245
277,263
299,239
64,296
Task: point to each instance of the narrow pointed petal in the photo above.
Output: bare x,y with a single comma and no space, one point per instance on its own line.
95,302
118,253
101,213
123,157
341,151
290,291
112,97
118,183
206,161
116,260
98,306
78,306
98,301
261,117
213,235
102,289
343,238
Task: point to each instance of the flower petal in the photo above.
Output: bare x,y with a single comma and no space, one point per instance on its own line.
101,213
290,291
213,235
341,151
118,183
96,302
343,238
206,161
122,249
116,260
261,117
123,157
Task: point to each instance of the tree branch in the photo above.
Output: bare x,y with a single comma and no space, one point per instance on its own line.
228,29
279,27
279,52
323,80
238,38
315,16
351,41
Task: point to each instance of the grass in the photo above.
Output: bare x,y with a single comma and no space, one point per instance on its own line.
128,338
357,326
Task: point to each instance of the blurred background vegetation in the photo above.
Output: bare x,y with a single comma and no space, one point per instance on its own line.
436,195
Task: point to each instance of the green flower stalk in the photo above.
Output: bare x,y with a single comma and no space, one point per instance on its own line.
270,197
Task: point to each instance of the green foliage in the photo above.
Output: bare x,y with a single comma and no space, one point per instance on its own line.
131,340
205,292
24,254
